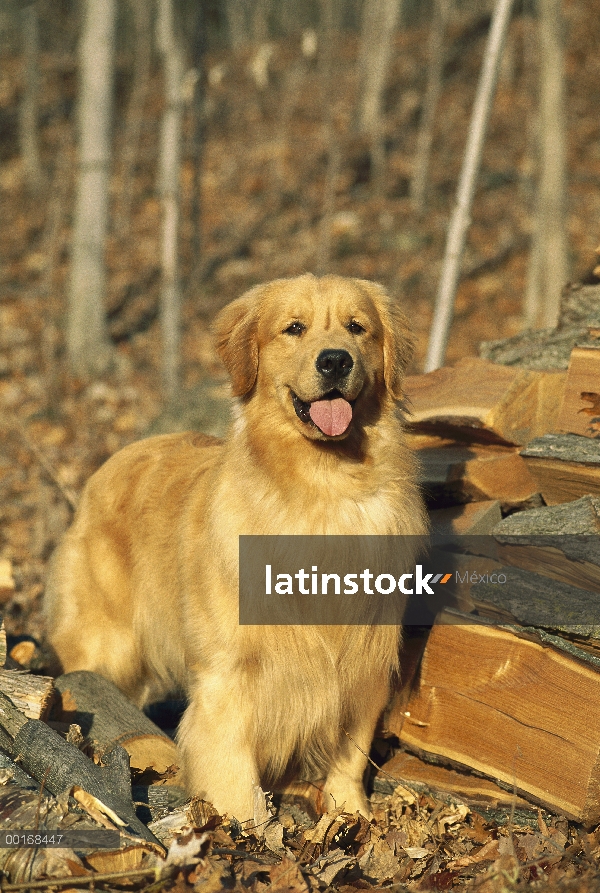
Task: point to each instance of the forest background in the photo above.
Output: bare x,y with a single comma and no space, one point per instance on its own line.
239,141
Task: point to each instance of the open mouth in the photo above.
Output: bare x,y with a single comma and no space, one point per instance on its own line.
331,414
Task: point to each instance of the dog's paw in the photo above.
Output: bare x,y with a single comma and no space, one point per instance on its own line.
349,799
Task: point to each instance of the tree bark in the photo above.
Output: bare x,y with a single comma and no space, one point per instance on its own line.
418,183
548,264
28,112
170,158
108,718
30,693
380,18
87,340
142,16
237,20
327,51
60,766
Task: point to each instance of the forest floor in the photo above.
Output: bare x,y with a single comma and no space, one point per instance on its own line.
264,167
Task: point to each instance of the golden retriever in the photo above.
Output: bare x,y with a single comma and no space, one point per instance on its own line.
144,586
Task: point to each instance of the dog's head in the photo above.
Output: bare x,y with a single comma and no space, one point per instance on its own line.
327,349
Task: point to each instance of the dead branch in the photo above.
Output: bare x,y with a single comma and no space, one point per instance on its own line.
69,497
459,223
60,766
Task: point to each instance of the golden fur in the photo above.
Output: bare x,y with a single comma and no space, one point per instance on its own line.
143,588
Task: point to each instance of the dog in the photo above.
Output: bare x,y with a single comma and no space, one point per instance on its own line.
143,587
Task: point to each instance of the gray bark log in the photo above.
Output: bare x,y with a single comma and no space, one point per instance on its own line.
101,710
59,766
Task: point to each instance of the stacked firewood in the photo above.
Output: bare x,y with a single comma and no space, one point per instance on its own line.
507,683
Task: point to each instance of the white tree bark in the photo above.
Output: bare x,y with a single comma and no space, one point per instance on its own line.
418,183
548,265
28,111
461,215
379,21
87,340
170,156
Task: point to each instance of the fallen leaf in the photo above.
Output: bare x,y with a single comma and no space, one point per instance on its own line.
379,864
188,848
332,866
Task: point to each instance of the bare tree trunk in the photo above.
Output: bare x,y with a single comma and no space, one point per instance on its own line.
260,21
461,215
197,143
87,339
28,111
418,183
548,268
327,51
237,20
380,18
52,246
170,155
142,16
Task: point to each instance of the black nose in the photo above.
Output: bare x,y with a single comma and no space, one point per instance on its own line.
334,364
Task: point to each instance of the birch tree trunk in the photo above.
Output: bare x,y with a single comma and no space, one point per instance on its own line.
548,270
380,18
418,183
461,214
28,111
87,340
170,156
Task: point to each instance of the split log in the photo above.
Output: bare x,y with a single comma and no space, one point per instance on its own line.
580,410
472,473
483,401
427,777
31,694
413,646
108,718
473,518
565,466
561,541
59,766
493,699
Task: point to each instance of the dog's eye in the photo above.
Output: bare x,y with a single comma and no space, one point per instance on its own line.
355,328
296,328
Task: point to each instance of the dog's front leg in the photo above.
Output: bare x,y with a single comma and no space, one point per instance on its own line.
344,785
216,747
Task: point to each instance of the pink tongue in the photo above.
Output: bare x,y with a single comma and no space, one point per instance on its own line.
331,416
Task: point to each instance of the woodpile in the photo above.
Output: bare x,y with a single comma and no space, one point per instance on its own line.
507,682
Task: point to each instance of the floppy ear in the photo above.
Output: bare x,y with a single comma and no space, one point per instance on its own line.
397,340
235,330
